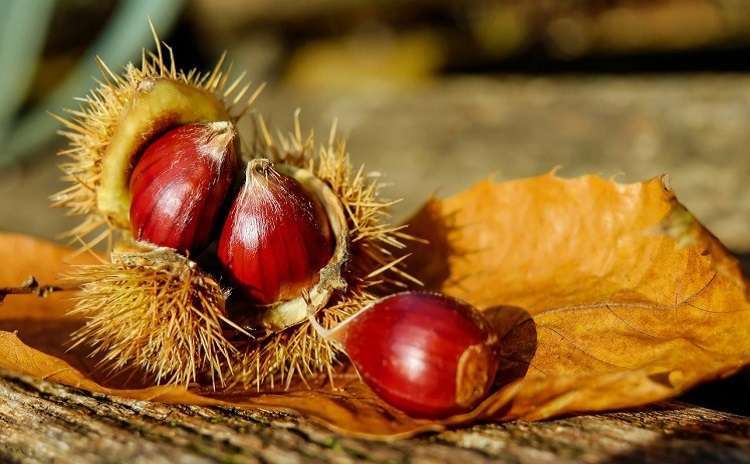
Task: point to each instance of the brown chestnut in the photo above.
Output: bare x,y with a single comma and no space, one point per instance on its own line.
427,354
276,237
180,184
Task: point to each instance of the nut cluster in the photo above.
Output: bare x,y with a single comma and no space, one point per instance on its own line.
254,279
274,233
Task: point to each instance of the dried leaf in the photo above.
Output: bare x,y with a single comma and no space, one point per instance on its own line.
605,295
621,297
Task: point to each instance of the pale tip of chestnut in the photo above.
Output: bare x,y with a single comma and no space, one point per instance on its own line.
219,138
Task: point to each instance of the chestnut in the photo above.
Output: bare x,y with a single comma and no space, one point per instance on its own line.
426,354
276,237
180,184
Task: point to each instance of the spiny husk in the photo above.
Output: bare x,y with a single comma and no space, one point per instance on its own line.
376,252
89,129
164,314
157,311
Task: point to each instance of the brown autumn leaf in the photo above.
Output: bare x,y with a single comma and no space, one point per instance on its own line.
605,295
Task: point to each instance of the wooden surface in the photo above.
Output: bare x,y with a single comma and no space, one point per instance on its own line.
44,422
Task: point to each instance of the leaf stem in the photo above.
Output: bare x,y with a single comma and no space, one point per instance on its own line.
32,287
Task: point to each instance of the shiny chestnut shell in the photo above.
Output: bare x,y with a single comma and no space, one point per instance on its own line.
427,354
180,185
276,237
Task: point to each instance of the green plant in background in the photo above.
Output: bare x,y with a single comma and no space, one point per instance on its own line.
22,38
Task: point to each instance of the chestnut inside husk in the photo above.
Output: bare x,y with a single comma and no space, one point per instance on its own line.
270,195
157,105
180,186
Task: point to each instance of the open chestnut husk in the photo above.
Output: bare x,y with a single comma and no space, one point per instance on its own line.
146,306
119,118
157,284
426,354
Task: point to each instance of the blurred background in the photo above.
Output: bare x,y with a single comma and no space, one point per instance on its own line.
436,94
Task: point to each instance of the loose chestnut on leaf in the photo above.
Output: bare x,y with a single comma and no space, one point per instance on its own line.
424,353
180,185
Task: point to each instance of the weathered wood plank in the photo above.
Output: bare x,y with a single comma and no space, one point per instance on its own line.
44,422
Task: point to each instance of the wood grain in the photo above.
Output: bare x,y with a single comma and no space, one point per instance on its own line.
44,422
